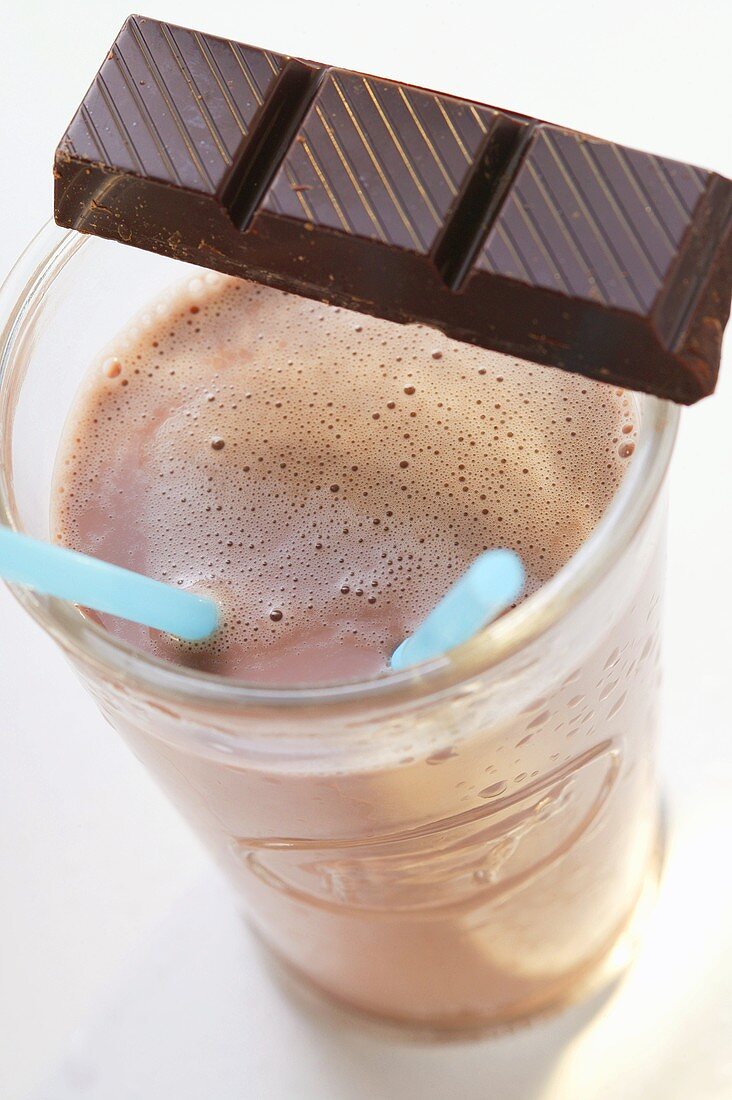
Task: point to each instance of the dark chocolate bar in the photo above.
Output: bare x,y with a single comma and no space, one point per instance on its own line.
498,229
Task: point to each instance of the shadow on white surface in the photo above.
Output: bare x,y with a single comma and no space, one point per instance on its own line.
196,1015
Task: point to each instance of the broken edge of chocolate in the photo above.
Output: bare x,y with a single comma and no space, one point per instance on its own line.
500,230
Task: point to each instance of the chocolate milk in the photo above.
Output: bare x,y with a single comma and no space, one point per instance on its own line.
453,859
325,475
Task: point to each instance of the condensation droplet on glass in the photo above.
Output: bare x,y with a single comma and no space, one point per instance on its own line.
494,790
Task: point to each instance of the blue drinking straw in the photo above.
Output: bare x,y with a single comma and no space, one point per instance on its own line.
103,587
489,586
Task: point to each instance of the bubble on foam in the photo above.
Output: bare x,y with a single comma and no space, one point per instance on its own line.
111,367
328,475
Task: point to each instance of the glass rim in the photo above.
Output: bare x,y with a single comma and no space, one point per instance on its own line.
487,653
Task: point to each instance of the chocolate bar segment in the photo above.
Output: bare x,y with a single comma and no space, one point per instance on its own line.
380,161
498,229
173,106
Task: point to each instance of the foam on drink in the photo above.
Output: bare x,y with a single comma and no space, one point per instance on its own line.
326,475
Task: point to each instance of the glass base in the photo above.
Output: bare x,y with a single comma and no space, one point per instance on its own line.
594,984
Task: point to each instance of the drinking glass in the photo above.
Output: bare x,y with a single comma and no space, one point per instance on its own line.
453,848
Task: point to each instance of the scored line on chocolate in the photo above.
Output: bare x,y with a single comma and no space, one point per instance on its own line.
167,33
428,141
144,110
353,179
620,212
612,268
121,125
170,103
371,90
371,153
91,128
210,60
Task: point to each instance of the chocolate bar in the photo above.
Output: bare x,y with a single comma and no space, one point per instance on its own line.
498,229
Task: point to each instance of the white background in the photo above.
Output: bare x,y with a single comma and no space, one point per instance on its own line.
123,971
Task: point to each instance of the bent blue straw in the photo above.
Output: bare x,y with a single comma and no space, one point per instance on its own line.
490,585
103,587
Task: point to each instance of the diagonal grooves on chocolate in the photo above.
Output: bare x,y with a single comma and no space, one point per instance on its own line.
180,61
605,184
481,198
153,68
281,117
641,189
674,190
